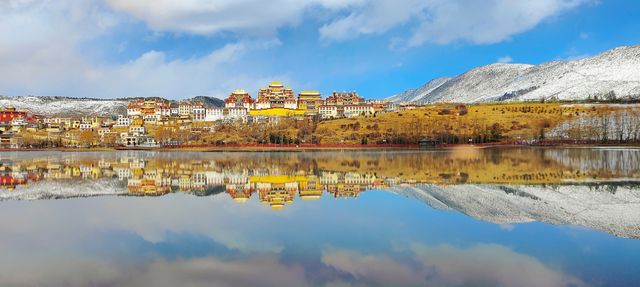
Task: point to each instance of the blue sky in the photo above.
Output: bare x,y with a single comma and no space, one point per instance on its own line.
178,49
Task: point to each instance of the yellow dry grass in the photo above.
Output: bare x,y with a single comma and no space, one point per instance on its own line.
515,121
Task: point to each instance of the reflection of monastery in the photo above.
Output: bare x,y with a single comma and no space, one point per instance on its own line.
157,177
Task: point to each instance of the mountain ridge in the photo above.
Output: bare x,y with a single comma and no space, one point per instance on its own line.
615,72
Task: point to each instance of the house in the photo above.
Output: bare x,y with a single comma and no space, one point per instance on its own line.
328,112
198,113
185,109
144,108
344,98
61,122
122,121
152,119
237,113
351,111
310,101
137,130
174,110
127,139
10,113
214,114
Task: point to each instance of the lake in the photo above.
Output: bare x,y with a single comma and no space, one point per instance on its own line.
446,217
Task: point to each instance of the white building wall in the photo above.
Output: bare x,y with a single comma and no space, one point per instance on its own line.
214,114
291,105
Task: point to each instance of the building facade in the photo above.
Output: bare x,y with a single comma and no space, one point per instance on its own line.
310,101
275,95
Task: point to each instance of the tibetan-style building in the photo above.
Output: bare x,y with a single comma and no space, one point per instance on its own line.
344,99
10,113
239,99
276,96
310,101
148,108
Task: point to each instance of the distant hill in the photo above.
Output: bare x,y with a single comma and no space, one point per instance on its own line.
207,101
613,73
68,106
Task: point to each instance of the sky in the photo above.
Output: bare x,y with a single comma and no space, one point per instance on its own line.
184,48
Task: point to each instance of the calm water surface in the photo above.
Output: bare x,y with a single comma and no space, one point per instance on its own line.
462,217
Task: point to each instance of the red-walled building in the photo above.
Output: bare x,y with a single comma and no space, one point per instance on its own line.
9,114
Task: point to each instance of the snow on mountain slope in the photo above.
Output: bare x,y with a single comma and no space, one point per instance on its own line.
616,70
419,93
613,209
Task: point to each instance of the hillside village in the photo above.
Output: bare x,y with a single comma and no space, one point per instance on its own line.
278,116
158,122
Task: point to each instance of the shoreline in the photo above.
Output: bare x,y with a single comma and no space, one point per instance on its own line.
309,147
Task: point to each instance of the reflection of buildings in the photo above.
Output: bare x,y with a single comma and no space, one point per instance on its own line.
277,179
10,182
155,177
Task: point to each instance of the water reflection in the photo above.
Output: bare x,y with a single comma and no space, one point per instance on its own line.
344,174
152,231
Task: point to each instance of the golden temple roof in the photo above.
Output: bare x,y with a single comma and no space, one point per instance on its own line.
309,92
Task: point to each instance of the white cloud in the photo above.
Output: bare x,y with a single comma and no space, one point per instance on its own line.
376,17
153,74
256,271
62,72
446,21
485,22
505,59
380,270
480,265
208,17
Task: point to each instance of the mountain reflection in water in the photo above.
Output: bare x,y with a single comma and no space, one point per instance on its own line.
159,236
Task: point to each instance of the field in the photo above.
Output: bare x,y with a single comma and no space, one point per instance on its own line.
479,123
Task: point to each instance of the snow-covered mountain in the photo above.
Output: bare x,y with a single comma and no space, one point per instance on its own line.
610,208
66,106
419,93
616,71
